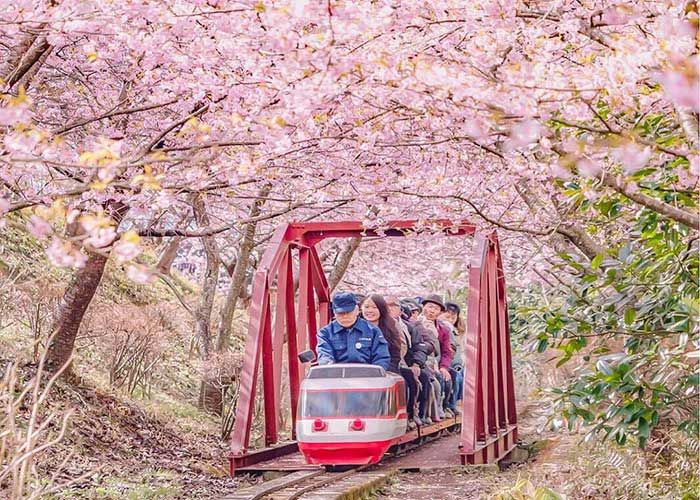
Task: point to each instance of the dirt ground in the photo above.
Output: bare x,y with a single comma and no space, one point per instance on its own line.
548,459
129,453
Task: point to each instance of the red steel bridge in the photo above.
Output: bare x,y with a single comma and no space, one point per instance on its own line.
282,314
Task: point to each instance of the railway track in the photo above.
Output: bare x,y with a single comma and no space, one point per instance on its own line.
317,485
321,484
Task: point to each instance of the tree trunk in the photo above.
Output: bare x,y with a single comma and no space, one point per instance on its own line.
210,388
239,272
76,300
343,262
169,254
72,309
11,62
206,302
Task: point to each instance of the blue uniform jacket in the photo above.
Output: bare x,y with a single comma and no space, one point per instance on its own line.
361,343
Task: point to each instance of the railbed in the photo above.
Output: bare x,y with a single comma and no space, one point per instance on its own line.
287,457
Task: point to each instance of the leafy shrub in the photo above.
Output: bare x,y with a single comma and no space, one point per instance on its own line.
525,490
629,319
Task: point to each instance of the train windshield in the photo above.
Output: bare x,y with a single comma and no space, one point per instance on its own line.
345,404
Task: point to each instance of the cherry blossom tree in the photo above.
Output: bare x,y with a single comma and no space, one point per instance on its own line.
119,119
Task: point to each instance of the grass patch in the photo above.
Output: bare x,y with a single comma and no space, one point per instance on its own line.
151,485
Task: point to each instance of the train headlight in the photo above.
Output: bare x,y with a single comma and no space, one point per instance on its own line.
319,425
357,425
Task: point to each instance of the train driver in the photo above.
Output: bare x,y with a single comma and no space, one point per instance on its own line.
350,338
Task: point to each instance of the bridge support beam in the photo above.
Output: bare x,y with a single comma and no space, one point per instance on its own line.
489,421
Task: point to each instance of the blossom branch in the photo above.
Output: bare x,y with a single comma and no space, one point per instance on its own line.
162,233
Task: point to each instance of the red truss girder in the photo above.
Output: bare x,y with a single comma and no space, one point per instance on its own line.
489,422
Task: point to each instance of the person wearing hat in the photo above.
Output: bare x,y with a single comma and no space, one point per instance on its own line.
350,338
417,355
433,306
410,365
413,306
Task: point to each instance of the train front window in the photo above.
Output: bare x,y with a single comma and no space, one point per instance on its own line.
344,404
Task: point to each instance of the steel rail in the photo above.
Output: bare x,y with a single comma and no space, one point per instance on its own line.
334,478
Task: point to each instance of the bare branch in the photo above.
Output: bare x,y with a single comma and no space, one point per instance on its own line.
110,114
216,230
632,192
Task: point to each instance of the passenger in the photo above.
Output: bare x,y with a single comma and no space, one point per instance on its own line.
416,357
430,395
349,338
434,411
375,310
432,307
414,307
452,317
409,370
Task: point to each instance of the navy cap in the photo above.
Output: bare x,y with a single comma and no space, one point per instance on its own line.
452,307
412,304
405,311
344,302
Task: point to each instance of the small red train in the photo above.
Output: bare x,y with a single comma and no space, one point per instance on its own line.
350,414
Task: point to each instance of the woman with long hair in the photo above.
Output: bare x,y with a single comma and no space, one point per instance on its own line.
375,310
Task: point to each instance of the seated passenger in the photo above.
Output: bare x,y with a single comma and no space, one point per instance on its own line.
409,372
452,318
375,310
432,307
434,411
349,338
414,307
426,350
417,353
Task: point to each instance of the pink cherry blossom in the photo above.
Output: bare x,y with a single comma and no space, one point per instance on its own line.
101,237
139,274
38,227
682,88
524,133
64,254
406,108
632,157
127,248
588,167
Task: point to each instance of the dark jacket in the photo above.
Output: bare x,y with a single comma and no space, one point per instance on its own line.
361,343
420,348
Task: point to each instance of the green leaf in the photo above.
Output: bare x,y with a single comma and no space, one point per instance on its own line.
643,431
630,315
597,260
566,357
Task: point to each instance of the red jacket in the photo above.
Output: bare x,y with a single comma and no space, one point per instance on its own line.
446,352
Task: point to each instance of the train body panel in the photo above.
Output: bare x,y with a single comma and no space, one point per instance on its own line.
350,414
341,429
